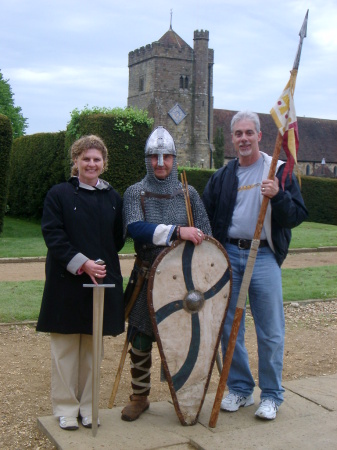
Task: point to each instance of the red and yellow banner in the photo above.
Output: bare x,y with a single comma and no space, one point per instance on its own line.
284,116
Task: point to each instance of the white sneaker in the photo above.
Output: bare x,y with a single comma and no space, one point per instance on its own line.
232,402
87,422
267,409
68,423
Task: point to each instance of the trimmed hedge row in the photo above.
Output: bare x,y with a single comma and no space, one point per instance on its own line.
320,197
41,160
6,138
37,163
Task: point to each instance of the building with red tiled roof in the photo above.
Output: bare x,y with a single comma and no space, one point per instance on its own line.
174,83
317,141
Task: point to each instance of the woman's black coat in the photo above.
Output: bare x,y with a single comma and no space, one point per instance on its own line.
77,220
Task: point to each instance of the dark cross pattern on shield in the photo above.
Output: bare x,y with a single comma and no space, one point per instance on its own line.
191,278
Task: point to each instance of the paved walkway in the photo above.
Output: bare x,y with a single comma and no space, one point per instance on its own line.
307,420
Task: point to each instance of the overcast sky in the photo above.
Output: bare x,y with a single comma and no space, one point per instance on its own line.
64,54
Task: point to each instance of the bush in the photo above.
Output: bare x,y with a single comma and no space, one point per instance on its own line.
320,195
197,177
41,160
6,138
37,163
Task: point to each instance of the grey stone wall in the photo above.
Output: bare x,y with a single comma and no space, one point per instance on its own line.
155,73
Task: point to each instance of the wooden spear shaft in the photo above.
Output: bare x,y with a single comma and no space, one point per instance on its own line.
139,283
187,199
241,303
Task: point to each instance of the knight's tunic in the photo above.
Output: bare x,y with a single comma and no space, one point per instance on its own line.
158,202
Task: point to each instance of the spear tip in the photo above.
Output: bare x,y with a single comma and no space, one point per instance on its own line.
302,34
303,30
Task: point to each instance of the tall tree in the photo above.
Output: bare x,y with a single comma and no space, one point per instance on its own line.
7,108
219,144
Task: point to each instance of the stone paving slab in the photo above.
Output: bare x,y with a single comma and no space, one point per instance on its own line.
301,423
153,430
316,390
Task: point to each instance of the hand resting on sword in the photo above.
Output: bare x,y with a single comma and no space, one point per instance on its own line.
94,270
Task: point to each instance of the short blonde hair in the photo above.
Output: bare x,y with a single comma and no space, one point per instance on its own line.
86,143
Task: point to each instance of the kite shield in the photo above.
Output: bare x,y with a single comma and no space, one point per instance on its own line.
188,296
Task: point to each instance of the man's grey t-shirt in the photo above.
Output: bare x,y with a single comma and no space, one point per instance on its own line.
248,202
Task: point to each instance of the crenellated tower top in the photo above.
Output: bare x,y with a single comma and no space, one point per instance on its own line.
201,35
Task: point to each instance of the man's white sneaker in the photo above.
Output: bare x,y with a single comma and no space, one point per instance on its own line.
232,402
267,409
68,423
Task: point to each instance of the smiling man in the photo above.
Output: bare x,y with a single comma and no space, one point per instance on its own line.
233,198
154,214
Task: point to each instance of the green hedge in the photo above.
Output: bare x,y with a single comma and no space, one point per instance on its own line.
6,138
37,163
320,197
197,177
41,160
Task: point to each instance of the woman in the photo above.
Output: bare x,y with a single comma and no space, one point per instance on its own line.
81,223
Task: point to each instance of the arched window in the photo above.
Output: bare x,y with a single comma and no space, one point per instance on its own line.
307,170
335,171
181,82
186,82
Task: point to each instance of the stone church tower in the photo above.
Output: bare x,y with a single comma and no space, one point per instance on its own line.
174,83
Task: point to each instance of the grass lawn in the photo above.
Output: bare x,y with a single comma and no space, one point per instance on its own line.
22,238
21,300
313,235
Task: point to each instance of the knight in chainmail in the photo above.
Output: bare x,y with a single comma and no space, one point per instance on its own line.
154,215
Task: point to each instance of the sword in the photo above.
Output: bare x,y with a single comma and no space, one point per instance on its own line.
97,338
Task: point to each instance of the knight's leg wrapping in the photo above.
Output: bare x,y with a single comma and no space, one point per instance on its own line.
141,378
140,371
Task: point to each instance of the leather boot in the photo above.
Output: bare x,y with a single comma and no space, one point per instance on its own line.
141,384
137,405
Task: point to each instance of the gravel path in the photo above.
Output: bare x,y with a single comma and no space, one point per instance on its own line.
25,271
310,350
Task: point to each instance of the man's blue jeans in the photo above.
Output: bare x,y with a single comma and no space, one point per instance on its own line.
266,303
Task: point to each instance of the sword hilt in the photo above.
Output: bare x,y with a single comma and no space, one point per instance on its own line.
101,263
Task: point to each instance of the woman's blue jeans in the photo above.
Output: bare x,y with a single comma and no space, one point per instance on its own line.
266,303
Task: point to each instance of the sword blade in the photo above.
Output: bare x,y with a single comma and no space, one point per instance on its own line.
97,337
97,340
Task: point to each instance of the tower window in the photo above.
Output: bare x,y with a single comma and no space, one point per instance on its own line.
141,83
181,82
